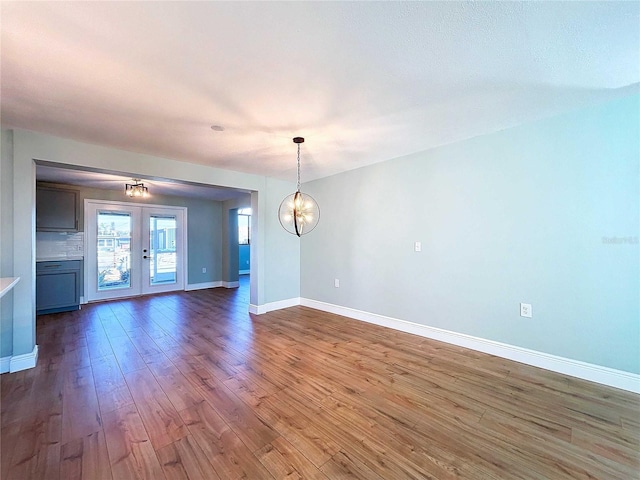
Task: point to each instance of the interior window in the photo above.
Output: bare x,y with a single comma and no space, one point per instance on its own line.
244,226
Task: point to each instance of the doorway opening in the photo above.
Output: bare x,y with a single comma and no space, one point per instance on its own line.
244,241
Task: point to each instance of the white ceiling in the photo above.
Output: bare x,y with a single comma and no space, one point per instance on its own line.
363,82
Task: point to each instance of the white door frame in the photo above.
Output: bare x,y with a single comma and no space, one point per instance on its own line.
90,205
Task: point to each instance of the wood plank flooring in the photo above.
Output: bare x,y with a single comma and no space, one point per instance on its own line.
190,386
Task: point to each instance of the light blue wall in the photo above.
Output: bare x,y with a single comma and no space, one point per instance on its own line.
230,236
232,239
6,239
24,236
244,257
285,254
522,215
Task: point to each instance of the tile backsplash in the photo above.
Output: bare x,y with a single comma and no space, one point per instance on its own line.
53,245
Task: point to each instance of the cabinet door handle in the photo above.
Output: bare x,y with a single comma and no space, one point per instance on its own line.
52,266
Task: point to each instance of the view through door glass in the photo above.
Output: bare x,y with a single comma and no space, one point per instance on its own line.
114,250
163,259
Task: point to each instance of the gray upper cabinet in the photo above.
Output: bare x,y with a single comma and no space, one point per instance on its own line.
57,209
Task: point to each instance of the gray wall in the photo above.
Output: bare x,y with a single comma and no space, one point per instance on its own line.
6,239
204,228
523,215
205,240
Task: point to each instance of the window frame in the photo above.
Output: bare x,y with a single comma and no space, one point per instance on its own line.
248,215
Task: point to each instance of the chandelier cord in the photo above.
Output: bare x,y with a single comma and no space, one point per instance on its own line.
298,167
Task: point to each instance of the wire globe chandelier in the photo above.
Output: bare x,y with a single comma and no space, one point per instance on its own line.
299,212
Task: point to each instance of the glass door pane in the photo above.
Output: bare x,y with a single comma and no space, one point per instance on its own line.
113,250
163,229
163,261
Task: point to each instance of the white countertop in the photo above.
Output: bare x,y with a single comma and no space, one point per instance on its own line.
59,259
7,283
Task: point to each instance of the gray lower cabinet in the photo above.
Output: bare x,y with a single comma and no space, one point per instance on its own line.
58,286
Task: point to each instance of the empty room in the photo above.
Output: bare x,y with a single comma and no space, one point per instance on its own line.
319,240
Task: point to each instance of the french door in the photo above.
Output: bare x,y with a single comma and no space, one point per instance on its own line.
132,249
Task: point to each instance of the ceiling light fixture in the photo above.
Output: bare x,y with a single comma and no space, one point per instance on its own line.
299,213
136,189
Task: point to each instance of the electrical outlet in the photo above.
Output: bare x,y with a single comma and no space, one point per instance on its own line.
417,246
336,283
204,269
525,310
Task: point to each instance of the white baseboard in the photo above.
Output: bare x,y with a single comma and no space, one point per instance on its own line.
270,307
201,286
574,368
24,361
19,362
4,364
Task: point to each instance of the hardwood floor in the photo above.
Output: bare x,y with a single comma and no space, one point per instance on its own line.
190,386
